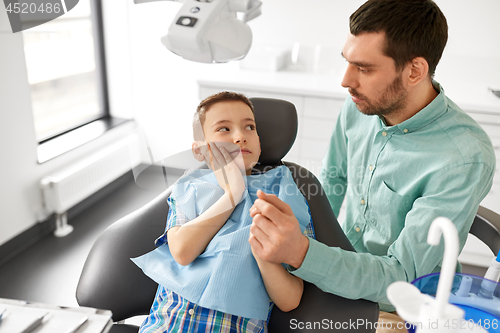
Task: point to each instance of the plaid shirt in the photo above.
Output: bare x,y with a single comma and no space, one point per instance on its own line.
172,313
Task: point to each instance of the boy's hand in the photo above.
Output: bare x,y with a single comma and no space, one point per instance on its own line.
275,234
228,171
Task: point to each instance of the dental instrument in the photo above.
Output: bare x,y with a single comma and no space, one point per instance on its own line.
491,278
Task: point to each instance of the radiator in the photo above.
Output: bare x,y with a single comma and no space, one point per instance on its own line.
67,187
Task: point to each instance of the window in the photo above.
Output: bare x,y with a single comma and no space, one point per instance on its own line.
65,64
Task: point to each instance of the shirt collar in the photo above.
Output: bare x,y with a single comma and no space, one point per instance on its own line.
427,115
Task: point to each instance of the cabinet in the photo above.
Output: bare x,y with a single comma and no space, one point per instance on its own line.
319,100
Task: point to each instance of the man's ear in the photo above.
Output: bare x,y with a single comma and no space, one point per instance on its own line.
418,70
196,149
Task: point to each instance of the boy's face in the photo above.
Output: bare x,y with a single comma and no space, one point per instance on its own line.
231,124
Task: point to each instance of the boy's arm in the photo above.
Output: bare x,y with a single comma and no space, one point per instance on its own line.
284,288
188,241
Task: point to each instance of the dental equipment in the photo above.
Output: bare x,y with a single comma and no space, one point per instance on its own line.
478,292
423,311
491,278
210,31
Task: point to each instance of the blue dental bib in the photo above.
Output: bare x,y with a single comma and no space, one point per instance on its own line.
225,277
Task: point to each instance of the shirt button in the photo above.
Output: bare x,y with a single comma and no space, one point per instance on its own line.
370,167
405,130
358,229
362,201
191,312
384,133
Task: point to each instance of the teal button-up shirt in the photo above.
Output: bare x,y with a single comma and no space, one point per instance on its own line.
396,180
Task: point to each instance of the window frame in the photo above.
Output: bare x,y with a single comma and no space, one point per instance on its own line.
55,145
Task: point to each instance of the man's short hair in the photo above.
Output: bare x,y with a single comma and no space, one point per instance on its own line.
207,103
413,28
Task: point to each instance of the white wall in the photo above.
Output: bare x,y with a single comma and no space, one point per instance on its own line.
159,89
20,195
165,90
17,136
164,85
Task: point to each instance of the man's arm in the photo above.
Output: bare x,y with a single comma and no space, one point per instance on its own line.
454,193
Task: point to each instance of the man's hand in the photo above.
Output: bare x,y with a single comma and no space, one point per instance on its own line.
229,172
275,234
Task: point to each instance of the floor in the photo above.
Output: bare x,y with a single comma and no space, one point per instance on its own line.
48,272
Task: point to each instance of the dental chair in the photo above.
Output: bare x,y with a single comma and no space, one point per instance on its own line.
486,227
110,280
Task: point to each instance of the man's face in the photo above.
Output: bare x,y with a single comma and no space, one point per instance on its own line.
371,77
232,124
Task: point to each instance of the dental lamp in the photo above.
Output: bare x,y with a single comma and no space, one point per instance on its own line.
210,31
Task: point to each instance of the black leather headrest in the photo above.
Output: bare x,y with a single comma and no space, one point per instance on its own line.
277,124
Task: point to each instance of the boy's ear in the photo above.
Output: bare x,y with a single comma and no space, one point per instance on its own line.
196,149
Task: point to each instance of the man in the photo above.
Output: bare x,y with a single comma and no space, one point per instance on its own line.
401,154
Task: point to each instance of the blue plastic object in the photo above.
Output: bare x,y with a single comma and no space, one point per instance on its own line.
484,312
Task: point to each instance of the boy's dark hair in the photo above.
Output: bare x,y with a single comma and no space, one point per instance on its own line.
207,103
413,28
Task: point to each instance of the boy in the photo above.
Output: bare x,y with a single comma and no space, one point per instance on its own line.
208,278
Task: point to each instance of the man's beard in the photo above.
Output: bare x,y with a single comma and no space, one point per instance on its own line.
392,100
